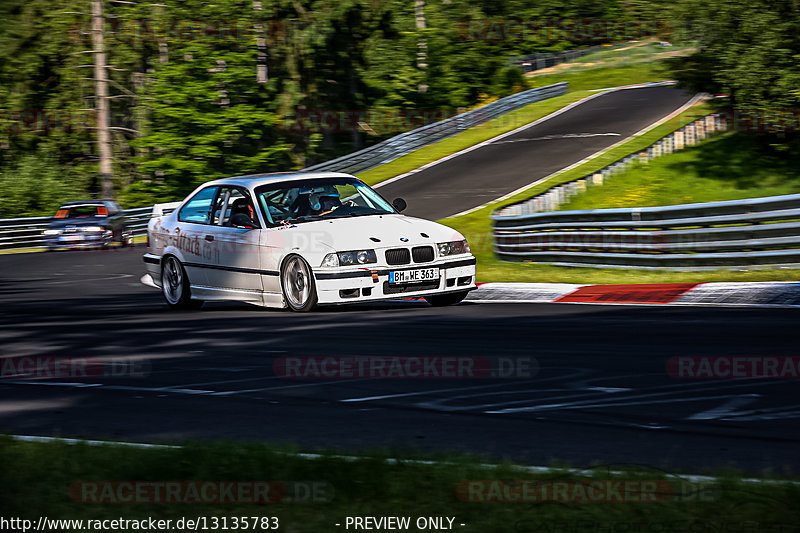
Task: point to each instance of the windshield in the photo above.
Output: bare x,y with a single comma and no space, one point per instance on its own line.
319,199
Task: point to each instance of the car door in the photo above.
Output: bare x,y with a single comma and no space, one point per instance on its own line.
237,261
190,235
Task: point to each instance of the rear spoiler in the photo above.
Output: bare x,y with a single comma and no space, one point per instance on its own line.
163,209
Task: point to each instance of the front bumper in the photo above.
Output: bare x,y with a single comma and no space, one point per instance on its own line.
152,264
77,240
338,286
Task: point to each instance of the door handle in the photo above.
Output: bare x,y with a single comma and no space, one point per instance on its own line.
209,237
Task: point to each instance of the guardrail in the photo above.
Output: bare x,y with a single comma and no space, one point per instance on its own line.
541,60
27,232
22,232
404,143
738,233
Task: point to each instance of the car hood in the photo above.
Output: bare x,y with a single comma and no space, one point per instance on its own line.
61,223
343,234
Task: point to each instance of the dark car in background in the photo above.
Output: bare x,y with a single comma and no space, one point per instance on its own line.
87,224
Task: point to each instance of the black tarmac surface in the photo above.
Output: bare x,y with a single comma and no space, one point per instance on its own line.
515,161
595,388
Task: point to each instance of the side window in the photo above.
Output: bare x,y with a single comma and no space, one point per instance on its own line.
219,204
239,211
198,209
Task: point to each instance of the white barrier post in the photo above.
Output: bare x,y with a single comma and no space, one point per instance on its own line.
690,135
700,129
680,138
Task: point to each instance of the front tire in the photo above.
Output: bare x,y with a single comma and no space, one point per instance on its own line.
441,300
175,285
297,285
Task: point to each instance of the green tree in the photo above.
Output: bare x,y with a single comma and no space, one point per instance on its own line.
747,48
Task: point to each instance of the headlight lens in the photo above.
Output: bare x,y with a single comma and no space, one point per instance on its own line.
357,257
453,247
354,257
93,229
51,232
331,260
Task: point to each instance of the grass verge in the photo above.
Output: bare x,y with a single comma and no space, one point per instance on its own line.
729,166
51,479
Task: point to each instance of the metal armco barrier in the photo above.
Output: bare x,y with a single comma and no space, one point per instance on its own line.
27,232
541,60
404,143
738,233
22,232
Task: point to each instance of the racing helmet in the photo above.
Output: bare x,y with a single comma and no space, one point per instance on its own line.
324,197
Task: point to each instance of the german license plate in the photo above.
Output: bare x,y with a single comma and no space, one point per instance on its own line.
410,276
70,238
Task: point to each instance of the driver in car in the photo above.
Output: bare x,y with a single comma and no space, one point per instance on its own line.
326,201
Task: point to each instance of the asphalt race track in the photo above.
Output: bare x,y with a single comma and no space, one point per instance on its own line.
597,391
515,161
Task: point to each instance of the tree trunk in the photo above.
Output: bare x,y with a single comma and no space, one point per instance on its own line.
101,102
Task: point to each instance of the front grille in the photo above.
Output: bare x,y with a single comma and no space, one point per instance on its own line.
422,254
398,256
394,288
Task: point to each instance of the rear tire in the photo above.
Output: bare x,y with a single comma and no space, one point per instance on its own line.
297,285
175,285
441,300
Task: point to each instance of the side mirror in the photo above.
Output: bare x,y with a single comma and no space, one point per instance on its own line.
399,204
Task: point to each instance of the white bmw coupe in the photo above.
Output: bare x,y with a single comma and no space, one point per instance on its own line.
299,240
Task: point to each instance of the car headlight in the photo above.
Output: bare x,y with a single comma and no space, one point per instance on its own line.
355,257
93,229
453,247
51,232
331,260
